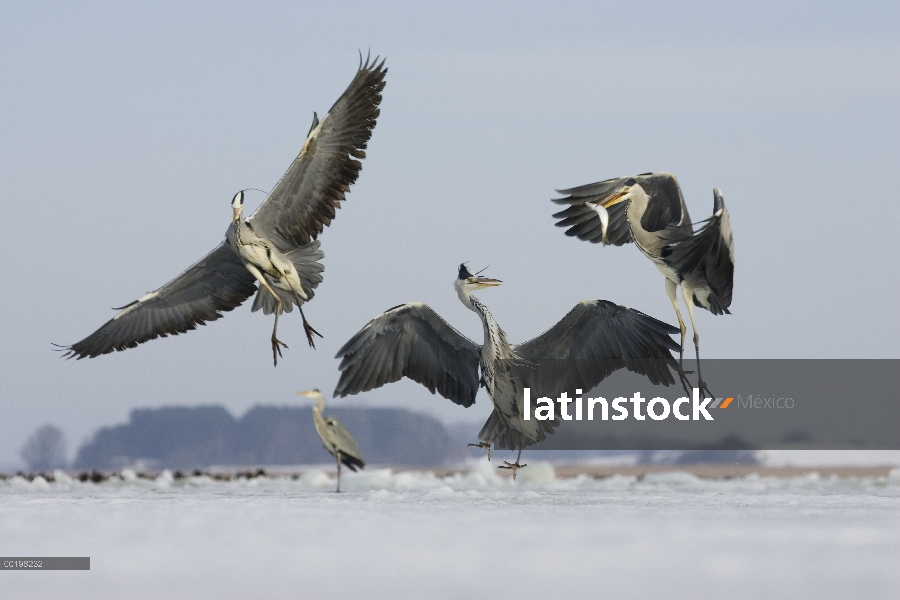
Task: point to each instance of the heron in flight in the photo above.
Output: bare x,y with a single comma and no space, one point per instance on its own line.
649,210
596,338
335,437
275,247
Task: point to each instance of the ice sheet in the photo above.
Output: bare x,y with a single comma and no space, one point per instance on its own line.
415,535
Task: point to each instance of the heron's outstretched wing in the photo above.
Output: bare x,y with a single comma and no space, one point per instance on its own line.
584,222
410,340
216,283
344,443
666,209
305,199
596,338
710,252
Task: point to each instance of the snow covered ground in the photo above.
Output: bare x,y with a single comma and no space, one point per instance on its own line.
414,535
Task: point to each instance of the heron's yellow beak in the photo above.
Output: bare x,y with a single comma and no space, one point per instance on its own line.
484,281
234,217
307,393
601,206
614,198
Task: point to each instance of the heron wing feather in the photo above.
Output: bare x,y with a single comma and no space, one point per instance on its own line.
592,341
303,202
412,341
217,283
583,221
343,442
710,252
666,209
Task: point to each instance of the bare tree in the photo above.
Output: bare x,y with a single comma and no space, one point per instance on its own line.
45,449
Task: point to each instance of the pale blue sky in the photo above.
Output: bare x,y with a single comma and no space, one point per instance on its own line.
127,129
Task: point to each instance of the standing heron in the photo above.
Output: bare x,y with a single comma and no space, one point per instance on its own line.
596,338
276,246
335,437
649,210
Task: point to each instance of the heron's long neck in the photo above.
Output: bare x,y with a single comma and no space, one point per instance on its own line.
238,225
317,412
647,242
494,337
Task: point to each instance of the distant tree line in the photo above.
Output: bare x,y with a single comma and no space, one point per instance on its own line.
199,437
45,449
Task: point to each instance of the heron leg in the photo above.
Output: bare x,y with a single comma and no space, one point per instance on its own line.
688,295
276,343
682,374
337,456
309,330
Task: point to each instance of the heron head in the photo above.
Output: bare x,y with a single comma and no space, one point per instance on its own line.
467,282
622,193
316,395
237,205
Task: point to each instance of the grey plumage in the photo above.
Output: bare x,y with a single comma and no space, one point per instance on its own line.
306,260
304,201
215,284
608,337
410,340
289,220
649,210
706,260
593,340
335,437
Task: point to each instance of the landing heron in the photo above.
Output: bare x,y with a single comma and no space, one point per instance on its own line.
596,338
335,437
276,246
649,210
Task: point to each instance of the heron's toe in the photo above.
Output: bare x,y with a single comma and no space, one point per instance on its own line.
514,467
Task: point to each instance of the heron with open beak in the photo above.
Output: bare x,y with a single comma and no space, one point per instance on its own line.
596,338
649,210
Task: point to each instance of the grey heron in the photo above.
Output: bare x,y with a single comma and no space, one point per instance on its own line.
594,339
276,246
335,437
649,210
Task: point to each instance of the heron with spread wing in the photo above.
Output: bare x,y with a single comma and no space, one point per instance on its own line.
275,247
595,339
649,210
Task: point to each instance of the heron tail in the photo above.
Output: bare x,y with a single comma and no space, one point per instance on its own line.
306,261
265,301
505,437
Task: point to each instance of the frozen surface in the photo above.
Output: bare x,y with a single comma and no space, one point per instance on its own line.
778,458
414,535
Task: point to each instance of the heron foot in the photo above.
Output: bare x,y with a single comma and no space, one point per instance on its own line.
514,466
484,445
685,382
276,348
309,331
704,389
